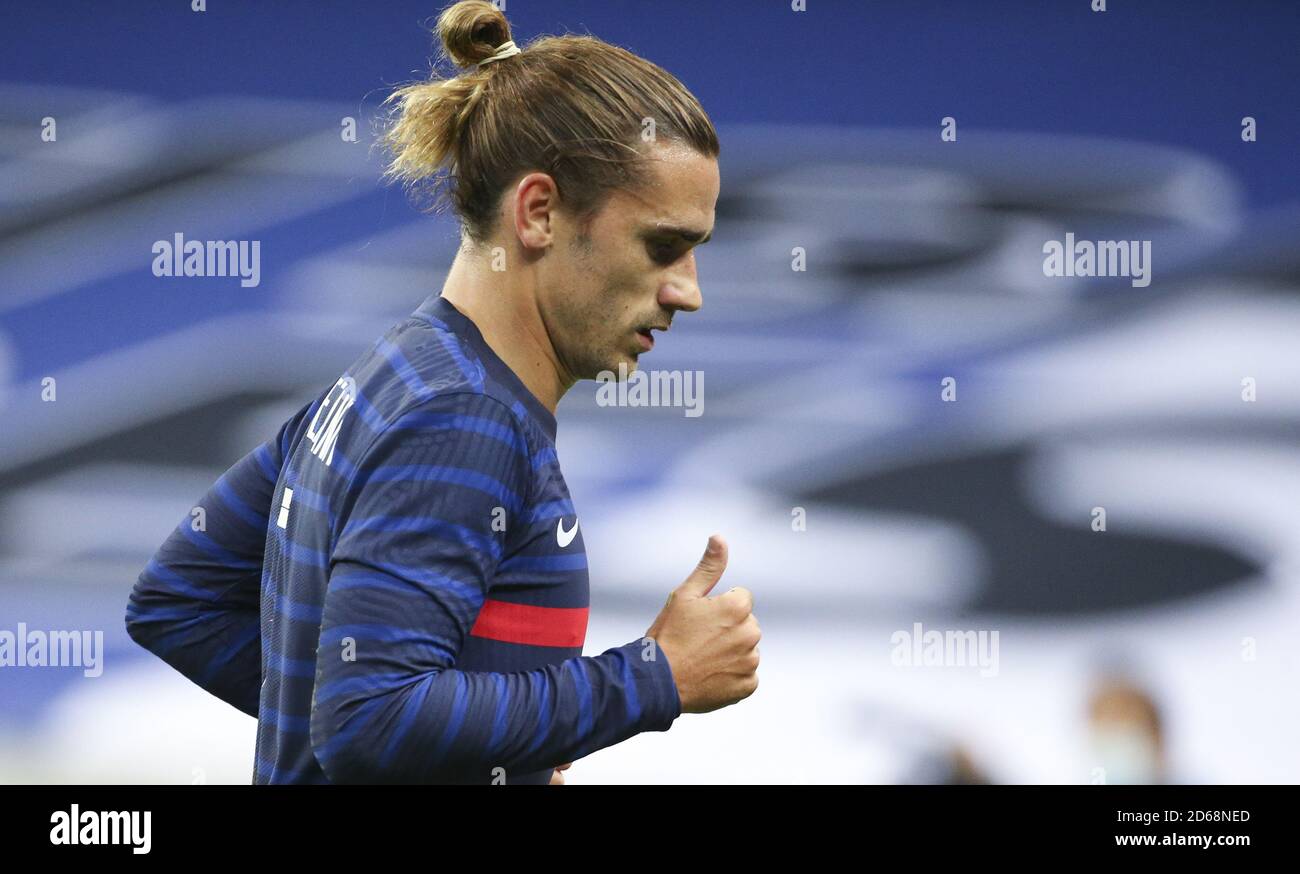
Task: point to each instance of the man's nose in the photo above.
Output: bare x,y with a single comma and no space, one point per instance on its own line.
681,291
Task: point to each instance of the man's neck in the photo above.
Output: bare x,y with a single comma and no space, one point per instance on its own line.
503,306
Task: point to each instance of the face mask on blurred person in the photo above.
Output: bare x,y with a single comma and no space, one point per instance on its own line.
1128,754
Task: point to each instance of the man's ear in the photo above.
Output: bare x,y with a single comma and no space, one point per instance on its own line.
535,202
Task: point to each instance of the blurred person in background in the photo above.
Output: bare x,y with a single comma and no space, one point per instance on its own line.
1126,734
949,765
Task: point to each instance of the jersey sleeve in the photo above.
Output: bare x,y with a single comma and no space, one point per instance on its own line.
408,574
196,604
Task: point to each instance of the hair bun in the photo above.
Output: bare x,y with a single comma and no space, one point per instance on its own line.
471,31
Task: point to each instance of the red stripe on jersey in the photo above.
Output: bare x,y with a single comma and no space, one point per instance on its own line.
535,626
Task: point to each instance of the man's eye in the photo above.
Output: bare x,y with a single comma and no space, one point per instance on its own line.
664,253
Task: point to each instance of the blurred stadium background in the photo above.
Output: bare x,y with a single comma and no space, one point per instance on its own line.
822,388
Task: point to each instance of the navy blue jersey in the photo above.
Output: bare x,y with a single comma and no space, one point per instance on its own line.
396,584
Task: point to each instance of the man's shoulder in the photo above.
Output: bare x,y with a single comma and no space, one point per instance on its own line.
423,367
408,383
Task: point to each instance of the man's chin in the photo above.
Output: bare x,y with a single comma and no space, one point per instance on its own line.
617,369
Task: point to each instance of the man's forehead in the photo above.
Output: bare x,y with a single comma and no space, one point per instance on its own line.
679,195
679,168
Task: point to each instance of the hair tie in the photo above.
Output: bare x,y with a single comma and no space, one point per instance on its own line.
505,50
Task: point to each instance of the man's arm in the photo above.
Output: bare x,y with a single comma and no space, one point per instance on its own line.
196,604
408,576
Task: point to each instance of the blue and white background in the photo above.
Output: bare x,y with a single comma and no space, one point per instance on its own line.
821,387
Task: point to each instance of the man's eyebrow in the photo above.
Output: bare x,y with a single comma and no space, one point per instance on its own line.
690,235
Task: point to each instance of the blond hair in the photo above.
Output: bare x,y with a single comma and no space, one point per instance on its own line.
575,107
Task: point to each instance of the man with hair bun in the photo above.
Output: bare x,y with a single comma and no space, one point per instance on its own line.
396,584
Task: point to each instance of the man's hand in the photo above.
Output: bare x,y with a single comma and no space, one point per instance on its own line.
557,777
711,643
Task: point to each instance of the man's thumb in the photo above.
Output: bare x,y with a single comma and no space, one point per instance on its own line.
709,570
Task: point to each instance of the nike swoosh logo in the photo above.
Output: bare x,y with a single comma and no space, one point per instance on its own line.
564,538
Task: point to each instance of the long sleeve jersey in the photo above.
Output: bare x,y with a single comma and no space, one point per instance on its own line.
396,586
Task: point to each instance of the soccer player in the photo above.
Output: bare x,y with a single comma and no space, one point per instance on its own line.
396,584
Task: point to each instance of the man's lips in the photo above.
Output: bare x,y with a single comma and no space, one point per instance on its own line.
647,339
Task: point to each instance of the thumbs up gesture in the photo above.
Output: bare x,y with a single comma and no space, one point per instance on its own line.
711,643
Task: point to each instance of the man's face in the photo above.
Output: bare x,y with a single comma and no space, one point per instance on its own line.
607,285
